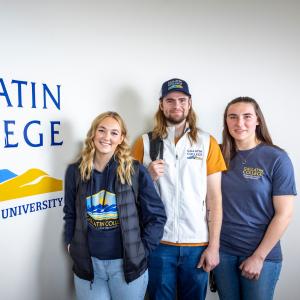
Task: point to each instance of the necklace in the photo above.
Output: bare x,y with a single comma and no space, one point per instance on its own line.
244,159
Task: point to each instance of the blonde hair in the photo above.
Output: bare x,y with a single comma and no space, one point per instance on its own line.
160,124
122,152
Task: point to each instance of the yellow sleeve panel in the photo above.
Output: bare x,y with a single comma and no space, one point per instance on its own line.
215,161
137,150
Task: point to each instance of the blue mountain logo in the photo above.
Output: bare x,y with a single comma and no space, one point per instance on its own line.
6,175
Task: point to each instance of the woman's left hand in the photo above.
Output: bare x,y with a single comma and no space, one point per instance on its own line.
251,267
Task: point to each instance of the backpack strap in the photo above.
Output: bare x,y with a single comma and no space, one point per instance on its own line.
156,147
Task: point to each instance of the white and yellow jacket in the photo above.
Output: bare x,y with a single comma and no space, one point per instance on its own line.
183,186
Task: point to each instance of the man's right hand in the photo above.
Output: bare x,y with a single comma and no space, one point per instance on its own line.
156,169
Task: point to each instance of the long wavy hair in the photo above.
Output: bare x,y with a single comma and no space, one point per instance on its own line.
261,132
160,124
122,152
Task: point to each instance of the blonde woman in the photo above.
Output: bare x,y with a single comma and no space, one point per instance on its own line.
113,215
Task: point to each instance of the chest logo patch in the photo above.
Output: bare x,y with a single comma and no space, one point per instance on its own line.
194,154
253,173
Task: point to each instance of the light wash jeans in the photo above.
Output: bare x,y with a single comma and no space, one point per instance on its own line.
109,283
232,285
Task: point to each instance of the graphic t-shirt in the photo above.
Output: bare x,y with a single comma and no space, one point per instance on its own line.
254,177
104,236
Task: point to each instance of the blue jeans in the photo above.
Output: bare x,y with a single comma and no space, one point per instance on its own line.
172,267
232,285
109,283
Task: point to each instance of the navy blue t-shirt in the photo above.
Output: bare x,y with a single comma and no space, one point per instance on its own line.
254,177
104,235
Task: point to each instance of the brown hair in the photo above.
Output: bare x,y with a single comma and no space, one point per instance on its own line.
261,131
122,152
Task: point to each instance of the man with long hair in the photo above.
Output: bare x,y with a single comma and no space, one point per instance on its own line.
188,179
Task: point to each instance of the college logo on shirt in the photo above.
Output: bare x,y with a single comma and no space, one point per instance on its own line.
194,154
253,173
102,210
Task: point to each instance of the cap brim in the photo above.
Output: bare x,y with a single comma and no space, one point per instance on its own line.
176,90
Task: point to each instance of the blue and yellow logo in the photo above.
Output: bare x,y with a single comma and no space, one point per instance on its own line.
253,173
194,154
102,210
32,182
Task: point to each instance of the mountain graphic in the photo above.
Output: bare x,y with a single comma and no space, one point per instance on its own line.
32,182
103,212
103,208
6,174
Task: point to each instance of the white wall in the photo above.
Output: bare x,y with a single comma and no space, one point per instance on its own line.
114,55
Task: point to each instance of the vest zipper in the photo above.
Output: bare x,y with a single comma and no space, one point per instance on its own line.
177,197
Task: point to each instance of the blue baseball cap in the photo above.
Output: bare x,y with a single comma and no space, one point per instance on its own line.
174,85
